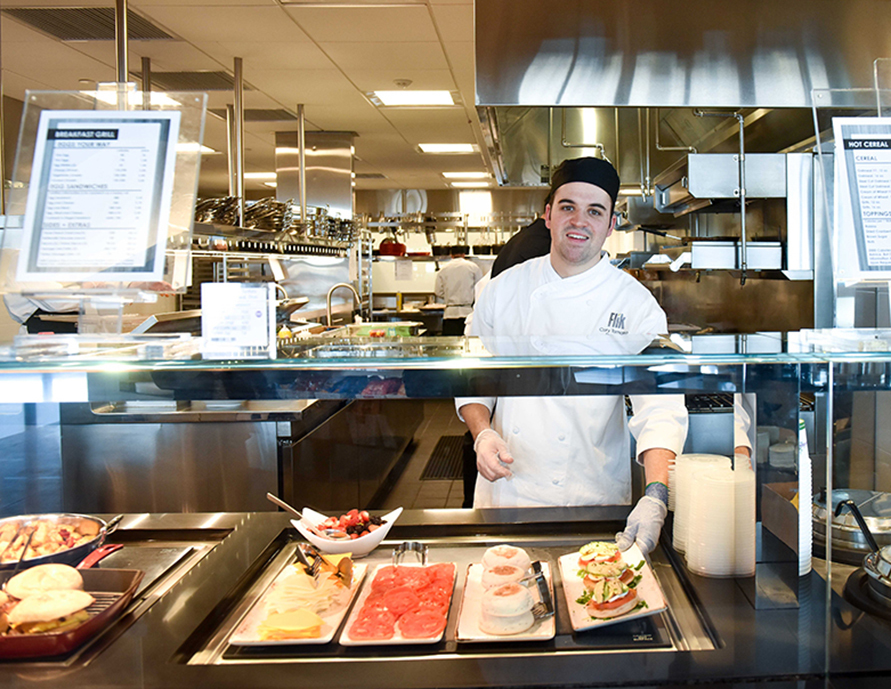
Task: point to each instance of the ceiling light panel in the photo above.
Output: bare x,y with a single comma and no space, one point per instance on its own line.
465,175
448,148
407,97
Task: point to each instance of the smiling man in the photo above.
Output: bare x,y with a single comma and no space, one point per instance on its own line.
573,450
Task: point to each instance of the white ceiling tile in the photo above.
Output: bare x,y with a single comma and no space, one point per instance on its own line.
382,79
454,22
170,56
358,25
463,60
268,55
348,56
307,86
198,24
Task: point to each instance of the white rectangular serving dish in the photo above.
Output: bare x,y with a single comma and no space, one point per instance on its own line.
468,620
573,587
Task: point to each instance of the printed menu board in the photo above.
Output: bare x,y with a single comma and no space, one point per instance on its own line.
99,198
863,200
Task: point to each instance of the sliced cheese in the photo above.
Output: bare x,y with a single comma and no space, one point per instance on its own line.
294,624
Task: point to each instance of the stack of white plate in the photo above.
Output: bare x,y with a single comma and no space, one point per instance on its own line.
721,534
782,455
686,471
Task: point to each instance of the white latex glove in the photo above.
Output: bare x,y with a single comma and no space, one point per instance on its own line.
645,521
492,455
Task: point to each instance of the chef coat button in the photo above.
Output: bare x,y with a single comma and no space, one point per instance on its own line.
561,437
556,482
515,430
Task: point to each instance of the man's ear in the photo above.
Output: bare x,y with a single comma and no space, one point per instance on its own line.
547,216
612,224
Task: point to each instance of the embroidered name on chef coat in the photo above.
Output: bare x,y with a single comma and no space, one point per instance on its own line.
616,324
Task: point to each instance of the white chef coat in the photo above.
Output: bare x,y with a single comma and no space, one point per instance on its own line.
571,450
454,286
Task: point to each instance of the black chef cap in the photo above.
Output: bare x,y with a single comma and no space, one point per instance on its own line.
594,171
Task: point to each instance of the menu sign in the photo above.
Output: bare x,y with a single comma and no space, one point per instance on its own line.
238,319
863,152
99,199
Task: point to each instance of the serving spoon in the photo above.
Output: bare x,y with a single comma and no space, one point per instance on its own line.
333,534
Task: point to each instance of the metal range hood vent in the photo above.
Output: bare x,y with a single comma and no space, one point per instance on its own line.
85,23
650,53
193,81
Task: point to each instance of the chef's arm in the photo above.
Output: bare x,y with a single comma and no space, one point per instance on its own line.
476,416
656,461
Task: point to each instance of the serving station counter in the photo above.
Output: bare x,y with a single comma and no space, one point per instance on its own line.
775,626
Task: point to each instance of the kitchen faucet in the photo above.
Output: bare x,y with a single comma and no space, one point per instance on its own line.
350,288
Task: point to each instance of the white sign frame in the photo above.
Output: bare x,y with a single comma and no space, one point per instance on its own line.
116,166
862,205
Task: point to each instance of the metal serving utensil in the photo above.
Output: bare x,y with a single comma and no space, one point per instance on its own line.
545,607
418,549
333,534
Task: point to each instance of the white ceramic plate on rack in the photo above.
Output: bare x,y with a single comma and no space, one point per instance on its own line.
469,619
573,587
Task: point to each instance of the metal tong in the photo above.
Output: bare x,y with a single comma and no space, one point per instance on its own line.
418,549
545,607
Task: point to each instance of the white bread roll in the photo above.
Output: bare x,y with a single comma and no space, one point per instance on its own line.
44,578
501,574
506,555
43,607
505,626
507,600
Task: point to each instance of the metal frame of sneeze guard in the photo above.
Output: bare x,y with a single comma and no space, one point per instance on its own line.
98,304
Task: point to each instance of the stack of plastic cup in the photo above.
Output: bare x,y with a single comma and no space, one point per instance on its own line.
710,536
744,527
721,532
686,470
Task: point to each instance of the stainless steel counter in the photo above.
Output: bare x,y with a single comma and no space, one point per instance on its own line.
713,633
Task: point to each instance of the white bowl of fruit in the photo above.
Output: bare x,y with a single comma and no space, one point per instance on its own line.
355,532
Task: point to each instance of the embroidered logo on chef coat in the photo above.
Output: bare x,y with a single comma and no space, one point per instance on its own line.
615,325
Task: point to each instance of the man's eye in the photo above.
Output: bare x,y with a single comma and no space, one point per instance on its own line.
595,212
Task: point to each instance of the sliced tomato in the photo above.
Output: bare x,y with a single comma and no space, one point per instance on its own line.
435,591
613,604
373,625
416,577
421,624
385,577
442,570
401,599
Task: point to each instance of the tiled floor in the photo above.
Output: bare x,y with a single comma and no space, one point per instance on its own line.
410,491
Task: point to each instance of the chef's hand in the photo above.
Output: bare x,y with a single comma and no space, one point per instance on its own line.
646,519
492,455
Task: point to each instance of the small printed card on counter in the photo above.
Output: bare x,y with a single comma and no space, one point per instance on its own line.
238,320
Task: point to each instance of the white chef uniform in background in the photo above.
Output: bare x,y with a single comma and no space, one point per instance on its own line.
571,450
454,286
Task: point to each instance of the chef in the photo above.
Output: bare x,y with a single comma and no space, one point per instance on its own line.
573,450
454,287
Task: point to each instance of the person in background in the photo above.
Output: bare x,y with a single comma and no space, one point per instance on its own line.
532,241
454,288
572,450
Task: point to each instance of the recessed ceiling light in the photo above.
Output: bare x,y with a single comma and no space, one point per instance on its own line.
447,148
465,175
414,98
260,175
469,185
